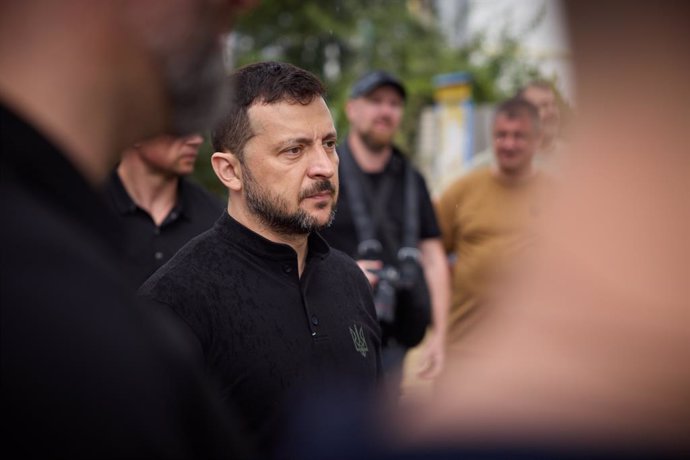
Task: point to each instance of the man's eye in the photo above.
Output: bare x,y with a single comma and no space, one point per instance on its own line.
293,150
330,144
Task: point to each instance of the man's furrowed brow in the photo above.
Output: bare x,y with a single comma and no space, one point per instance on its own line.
299,140
309,140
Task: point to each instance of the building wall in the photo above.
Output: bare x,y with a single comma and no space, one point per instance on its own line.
541,26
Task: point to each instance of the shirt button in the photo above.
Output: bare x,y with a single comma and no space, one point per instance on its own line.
314,320
173,215
158,255
157,231
287,268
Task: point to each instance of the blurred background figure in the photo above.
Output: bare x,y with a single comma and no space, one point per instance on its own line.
542,95
487,218
381,187
589,351
158,207
85,372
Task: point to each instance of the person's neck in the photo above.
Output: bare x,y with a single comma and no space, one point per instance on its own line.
514,177
370,161
298,242
152,191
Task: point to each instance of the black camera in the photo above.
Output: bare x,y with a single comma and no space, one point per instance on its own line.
408,267
384,295
391,278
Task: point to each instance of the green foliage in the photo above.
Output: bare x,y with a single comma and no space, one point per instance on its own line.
203,171
339,40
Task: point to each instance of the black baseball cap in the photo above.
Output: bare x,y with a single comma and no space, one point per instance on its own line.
372,80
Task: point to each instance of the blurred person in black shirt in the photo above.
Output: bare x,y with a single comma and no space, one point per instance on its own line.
158,207
399,244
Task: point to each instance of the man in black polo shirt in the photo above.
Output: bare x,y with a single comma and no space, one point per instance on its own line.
274,308
159,209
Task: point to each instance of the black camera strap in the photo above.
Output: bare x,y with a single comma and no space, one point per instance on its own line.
368,220
411,231
364,226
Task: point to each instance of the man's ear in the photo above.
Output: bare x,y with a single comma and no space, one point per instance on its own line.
228,169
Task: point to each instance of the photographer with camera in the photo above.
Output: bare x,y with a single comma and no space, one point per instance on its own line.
386,221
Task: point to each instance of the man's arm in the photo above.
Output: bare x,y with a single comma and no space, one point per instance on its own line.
437,274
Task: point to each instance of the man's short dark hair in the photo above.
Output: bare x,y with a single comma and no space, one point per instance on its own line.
517,107
265,83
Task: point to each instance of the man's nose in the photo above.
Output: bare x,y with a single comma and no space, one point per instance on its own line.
194,140
390,109
508,142
323,163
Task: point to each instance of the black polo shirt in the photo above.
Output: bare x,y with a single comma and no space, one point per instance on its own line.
265,332
147,245
86,373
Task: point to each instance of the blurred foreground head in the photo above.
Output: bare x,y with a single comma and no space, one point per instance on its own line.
96,76
590,348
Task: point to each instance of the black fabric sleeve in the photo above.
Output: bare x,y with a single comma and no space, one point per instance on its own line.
428,224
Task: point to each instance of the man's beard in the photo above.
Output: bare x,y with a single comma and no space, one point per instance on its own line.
197,86
375,143
272,210
188,56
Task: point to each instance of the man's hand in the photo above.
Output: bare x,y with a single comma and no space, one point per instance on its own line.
366,266
433,356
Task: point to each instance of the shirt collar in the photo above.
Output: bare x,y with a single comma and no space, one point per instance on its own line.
121,199
238,234
183,207
126,205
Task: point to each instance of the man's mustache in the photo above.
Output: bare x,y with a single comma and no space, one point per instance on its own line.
385,120
318,187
